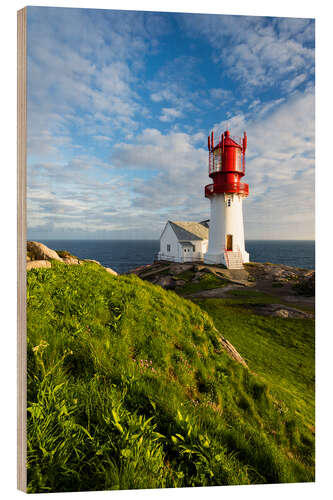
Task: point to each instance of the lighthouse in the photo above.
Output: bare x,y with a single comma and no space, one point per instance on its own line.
226,243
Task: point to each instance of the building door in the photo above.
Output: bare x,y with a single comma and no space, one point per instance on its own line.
229,242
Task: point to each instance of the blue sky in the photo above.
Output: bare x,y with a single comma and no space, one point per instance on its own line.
120,105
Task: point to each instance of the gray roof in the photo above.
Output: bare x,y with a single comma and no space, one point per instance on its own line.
186,231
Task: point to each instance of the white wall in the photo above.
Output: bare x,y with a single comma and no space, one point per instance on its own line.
168,237
198,253
177,253
225,220
233,221
234,224
215,252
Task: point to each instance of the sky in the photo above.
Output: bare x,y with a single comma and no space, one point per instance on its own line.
120,104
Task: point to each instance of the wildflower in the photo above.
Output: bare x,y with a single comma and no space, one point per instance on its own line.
40,348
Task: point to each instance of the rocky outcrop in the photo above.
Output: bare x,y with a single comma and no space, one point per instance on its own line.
233,353
38,251
176,269
307,285
70,259
278,311
180,283
111,271
39,255
34,264
93,261
166,282
277,272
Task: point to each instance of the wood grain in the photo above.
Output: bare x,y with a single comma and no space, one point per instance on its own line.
21,247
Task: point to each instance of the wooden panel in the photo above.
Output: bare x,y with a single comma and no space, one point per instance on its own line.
21,247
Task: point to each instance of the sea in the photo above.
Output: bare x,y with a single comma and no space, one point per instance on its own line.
124,255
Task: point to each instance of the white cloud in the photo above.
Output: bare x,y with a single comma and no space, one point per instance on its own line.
220,94
295,82
102,138
82,73
170,114
253,52
84,93
280,171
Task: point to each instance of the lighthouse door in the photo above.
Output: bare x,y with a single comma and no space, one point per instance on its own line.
229,242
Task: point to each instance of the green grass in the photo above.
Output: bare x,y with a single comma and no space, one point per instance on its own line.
128,387
280,350
65,253
207,282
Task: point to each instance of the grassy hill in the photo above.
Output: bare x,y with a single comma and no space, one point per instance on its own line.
281,350
129,387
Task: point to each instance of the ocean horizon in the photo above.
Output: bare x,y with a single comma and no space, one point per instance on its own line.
124,255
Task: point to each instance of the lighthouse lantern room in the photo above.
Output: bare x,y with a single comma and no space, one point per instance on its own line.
226,229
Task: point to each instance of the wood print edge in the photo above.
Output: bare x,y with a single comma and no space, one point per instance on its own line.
21,247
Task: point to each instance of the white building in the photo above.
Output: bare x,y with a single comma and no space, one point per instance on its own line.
183,241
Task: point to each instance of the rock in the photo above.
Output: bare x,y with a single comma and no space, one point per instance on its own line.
33,264
307,286
278,311
207,270
111,271
38,251
167,282
229,348
180,268
281,313
69,259
152,279
92,260
180,283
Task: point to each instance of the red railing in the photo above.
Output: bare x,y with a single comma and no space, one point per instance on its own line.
227,187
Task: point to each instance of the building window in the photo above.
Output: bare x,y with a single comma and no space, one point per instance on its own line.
229,202
168,248
193,248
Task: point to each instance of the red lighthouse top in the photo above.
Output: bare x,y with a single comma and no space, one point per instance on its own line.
227,165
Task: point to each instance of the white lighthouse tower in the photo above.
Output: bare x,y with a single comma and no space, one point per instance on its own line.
226,229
